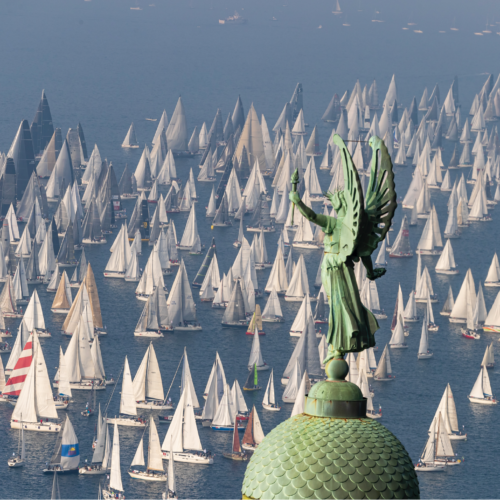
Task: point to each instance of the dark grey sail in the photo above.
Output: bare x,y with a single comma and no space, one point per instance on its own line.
21,151
52,232
413,113
31,224
33,267
27,202
320,314
454,158
62,218
82,141
296,102
221,188
200,275
216,132
454,87
8,187
77,232
238,117
42,128
80,270
222,213
432,113
125,184
66,254
261,217
332,112
234,315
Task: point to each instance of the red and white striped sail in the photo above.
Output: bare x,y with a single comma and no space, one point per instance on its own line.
18,376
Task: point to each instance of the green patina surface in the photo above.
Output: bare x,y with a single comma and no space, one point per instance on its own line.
318,457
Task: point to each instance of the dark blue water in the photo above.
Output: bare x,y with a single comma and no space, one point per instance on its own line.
106,66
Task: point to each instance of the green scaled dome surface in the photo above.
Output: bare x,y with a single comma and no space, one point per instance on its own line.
324,457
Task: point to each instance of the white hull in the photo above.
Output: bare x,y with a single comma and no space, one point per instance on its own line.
110,495
450,271
373,415
458,437
483,401
147,476
458,320
190,328
36,426
150,405
430,468
492,283
93,242
384,379
82,386
126,422
273,320
15,462
60,311
425,356
260,368
93,472
190,458
398,346
305,246
113,274
271,408
152,334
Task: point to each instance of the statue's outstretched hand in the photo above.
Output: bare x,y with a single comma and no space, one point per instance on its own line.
376,273
294,197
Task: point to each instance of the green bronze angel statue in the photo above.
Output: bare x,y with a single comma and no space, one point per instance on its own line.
355,233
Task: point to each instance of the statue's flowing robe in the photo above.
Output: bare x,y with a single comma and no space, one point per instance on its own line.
351,326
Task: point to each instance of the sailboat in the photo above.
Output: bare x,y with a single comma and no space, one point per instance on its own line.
18,460
269,401
151,317
181,305
236,451
154,469
493,277
489,357
66,456
114,489
147,384
117,263
256,358
225,417
235,315
256,322
252,382
80,272
423,348
33,317
128,407
36,401
427,461
362,383
472,327
102,450
446,263
183,439
481,392
448,411
130,140
253,433
398,337
272,311
383,373
90,408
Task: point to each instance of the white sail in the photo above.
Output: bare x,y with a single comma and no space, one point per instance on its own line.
300,400
477,390
127,401
115,476
256,354
147,382
155,459
269,396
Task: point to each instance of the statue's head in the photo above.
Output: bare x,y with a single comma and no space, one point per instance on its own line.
338,202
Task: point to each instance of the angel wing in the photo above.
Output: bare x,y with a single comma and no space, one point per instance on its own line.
353,194
380,198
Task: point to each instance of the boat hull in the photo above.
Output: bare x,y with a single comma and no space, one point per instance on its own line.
425,356
94,242
451,271
61,471
240,457
482,401
150,405
113,274
273,320
88,471
190,328
60,311
126,422
398,346
270,407
36,426
151,334
147,476
492,328
190,458
15,462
